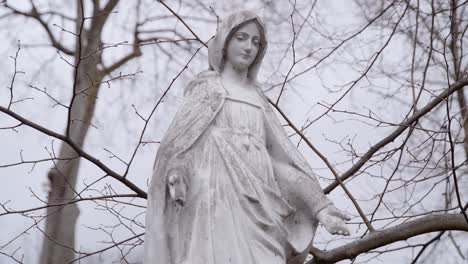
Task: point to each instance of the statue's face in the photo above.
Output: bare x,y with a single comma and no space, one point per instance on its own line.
243,46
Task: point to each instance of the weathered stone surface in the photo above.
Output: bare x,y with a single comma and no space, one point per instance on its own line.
228,186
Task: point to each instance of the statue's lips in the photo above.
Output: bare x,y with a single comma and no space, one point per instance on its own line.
245,56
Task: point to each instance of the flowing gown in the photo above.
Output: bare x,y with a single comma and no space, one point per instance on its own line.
234,210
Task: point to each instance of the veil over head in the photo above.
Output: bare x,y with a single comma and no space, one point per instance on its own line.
217,46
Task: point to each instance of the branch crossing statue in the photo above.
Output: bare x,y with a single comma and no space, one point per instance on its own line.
228,185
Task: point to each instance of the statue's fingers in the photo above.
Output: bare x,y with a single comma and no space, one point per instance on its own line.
334,229
179,196
172,192
343,230
345,216
180,201
330,229
340,214
174,179
171,179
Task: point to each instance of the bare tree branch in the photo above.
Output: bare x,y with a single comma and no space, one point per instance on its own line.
34,14
402,127
431,223
78,150
183,22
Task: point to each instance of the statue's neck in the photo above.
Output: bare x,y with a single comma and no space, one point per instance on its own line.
235,76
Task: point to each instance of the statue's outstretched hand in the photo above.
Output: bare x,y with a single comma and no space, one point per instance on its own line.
334,220
177,188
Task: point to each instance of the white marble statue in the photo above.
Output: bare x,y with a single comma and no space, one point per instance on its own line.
228,184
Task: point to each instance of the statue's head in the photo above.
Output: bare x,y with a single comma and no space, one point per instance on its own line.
241,41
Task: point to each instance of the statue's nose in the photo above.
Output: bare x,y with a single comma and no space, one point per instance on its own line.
248,47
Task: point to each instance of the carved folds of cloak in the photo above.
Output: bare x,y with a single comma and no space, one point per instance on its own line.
204,97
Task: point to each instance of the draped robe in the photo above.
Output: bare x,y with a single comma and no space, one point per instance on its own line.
204,97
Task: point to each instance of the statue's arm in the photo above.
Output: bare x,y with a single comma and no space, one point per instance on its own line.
305,194
296,179
179,166
298,184
178,178
299,189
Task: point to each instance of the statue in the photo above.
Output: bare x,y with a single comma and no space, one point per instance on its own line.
228,185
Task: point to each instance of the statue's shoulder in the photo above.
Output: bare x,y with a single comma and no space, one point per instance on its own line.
201,82
261,87
208,74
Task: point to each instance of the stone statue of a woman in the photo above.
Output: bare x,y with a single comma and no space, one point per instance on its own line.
228,185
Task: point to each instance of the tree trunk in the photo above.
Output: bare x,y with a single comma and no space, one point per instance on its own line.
61,221
59,241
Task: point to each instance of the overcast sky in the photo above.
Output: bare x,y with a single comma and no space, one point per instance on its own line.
117,126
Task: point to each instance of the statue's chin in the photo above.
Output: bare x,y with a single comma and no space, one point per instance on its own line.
240,66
